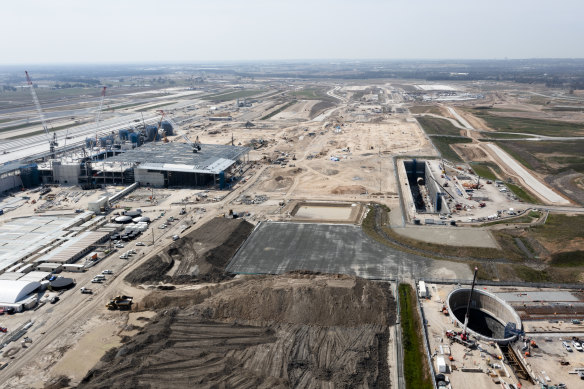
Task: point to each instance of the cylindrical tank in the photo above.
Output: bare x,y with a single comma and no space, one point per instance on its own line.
167,127
123,219
420,181
134,138
151,133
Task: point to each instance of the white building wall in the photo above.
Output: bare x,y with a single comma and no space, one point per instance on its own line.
145,177
66,174
10,182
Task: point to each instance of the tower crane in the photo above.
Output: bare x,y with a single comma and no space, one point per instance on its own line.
52,140
98,114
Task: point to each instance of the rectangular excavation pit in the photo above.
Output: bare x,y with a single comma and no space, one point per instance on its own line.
327,212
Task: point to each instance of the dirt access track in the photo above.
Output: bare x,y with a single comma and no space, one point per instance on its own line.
199,256
298,330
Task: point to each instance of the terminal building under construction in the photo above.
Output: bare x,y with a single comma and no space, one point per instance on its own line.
152,164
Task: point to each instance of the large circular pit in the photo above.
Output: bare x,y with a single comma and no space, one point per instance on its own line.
490,318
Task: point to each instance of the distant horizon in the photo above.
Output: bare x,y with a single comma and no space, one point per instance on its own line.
290,60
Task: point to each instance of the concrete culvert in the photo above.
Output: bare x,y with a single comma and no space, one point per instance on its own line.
490,318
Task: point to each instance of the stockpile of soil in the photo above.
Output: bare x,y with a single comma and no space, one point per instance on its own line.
294,330
201,255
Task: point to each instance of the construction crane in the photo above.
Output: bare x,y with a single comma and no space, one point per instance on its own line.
196,145
464,335
98,114
52,140
165,140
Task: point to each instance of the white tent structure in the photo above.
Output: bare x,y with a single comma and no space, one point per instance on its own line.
17,294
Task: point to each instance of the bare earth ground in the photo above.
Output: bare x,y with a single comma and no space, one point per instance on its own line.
295,330
201,254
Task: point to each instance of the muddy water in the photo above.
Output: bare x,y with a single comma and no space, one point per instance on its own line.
323,212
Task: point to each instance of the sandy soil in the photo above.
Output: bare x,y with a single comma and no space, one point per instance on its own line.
201,255
298,330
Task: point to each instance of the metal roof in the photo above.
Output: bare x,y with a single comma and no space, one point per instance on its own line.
22,237
179,157
73,247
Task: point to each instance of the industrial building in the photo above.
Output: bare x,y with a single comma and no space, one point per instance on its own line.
26,238
173,165
18,175
152,164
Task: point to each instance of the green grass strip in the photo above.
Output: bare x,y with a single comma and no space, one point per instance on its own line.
416,371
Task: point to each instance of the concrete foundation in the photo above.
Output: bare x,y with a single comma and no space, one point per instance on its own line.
490,318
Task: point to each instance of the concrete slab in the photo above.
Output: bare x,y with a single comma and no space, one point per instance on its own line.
275,248
531,296
452,236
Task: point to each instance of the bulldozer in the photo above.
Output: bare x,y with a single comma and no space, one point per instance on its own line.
120,302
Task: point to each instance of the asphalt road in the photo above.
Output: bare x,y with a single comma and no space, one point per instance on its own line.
532,182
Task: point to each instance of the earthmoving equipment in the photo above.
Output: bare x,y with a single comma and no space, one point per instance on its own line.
120,302
456,337
52,140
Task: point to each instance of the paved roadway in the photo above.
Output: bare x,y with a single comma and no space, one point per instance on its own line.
532,182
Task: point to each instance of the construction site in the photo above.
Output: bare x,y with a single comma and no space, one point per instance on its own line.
256,232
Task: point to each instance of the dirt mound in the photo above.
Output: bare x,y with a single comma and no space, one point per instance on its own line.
152,271
319,107
349,189
201,255
296,330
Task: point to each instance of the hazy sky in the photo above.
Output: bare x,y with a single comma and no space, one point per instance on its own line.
80,31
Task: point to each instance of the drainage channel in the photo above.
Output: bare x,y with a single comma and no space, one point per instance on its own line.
516,363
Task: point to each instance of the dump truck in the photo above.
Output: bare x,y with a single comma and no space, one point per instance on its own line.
120,302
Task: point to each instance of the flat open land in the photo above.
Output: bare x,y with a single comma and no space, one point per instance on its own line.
298,330
276,248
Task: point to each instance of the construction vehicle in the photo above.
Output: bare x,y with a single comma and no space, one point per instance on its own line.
25,341
120,302
85,290
52,141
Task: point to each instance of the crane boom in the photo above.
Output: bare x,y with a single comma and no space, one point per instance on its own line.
37,104
195,145
98,115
